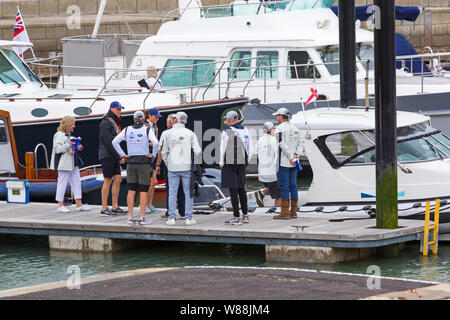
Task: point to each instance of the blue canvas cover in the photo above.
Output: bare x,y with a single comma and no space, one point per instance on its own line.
363,13
405,48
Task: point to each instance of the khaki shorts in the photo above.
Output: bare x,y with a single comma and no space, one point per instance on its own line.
139,174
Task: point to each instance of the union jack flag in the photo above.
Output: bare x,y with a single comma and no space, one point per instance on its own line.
20,34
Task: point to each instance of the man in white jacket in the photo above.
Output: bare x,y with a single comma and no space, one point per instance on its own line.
289,142
138,158
267,151
176,153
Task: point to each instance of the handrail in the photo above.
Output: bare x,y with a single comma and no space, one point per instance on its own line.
40,145
95,166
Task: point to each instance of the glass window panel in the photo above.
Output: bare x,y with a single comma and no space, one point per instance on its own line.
301,66
21,65
3,135
188,72
347,144
240,66
330,57
269,59
366,52
8,74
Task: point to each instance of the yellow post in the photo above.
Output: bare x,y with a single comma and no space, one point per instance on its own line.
427,225
436,226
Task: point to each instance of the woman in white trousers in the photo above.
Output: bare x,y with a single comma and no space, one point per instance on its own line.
66,161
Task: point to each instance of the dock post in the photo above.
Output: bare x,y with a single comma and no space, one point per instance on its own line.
386,116
347,52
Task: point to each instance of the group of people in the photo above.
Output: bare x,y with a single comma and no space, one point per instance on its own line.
171,158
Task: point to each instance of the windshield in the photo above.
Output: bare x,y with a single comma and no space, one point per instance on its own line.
330,56
416,143
8,74
21,65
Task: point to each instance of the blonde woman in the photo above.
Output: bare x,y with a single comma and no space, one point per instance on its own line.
66,160
152,80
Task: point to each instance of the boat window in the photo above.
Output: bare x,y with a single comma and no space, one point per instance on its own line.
185,72
442,141
240,66
8,74
345,145
82,111
301,66
3,135
366,52
269,59
21,65
330,56
39,112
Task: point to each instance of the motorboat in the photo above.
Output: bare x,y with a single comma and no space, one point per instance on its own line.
36,109
288,47
42,181
339,144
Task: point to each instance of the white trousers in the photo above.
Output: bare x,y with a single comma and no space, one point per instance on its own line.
71,177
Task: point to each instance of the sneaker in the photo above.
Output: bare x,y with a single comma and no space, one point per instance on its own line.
83,207
190,222
259,196
63,209
119,211
152,209
130,222
234,221
144,221
170,222
106,213
245,219
165,216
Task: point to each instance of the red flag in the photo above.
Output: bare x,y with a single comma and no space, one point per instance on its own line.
314,96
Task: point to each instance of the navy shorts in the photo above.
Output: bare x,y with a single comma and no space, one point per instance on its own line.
110,167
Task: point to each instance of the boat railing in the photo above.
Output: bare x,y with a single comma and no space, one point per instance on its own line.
40,145
202,85
95,167
250,8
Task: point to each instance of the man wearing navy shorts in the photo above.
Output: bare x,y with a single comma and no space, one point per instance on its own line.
110,159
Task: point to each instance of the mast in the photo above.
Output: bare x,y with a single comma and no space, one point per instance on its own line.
101,9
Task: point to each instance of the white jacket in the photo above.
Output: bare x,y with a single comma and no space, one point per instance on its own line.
177,145
290,143
61,146
267,151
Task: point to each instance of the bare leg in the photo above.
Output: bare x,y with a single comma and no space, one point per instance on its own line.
130,203
142,202
78,202
117,180
60,204
265,191
151,191
105,192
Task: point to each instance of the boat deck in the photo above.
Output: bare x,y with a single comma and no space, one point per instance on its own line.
42,219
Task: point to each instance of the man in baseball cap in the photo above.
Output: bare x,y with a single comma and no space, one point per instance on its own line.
116,105
282,112
231,115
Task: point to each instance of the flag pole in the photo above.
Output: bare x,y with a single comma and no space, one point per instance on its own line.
308,135
25,29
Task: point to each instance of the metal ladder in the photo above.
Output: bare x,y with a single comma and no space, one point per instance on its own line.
40,145
435,228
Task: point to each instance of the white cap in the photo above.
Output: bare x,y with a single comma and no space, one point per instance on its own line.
139,115
181,116
268,126
282,112
231,115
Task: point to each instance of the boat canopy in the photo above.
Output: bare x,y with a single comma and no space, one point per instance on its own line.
364,13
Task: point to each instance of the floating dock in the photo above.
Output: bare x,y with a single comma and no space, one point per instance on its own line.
306,239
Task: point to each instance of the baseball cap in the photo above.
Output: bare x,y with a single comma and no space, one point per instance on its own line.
282,112
181,116
154,112
116,105
268,126
139,115
231,115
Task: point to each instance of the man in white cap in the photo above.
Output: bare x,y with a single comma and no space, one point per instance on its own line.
139,159
176,153
267,151
235,152
290,147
